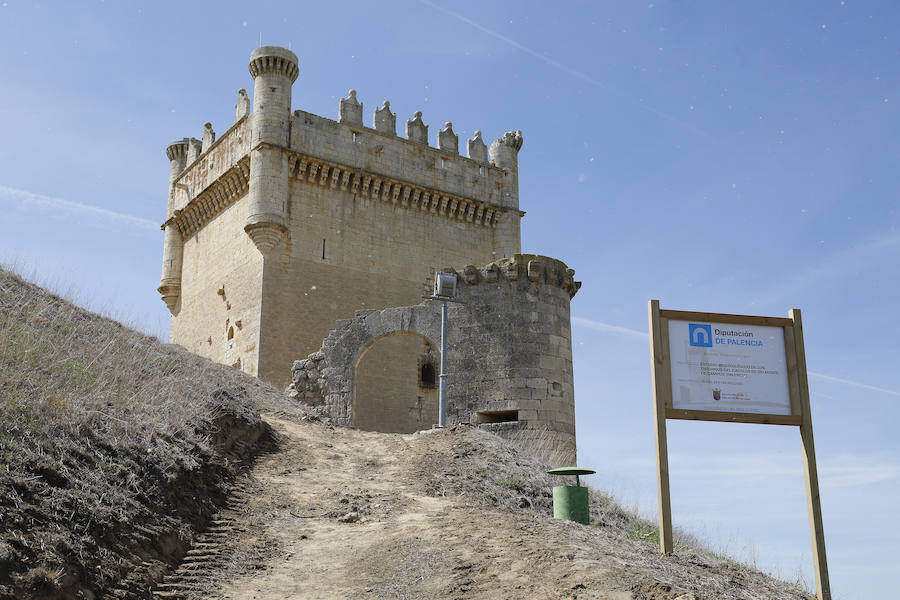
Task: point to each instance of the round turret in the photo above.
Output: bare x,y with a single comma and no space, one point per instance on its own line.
274,70
170,284
176,152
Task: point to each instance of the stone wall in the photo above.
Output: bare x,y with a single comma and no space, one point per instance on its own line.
348,252
509,356
218,312
389,394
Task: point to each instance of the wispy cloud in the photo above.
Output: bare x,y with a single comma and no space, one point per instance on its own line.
560,66
854,472
874,254
840,471
642,335
608,328
33,200
863,386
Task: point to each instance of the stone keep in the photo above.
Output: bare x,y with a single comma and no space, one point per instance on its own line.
288,222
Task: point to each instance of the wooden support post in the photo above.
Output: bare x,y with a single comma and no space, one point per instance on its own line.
820,564
657,358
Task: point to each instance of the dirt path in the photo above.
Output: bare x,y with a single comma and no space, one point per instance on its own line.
340,513
302,527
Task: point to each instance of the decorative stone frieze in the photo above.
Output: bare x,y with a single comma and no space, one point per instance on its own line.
274,60
315,171
210,202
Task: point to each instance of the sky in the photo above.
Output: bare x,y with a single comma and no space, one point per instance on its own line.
736,157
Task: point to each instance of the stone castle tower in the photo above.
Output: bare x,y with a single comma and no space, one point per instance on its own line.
289,222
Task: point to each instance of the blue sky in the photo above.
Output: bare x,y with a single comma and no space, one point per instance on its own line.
728,157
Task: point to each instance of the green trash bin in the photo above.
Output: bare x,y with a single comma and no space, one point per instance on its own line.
570,502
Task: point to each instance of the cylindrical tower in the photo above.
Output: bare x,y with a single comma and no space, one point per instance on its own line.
176,152
173,249
170,285
274,70
505,154
510,354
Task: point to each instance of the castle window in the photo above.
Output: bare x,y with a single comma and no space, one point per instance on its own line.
443,164
481,170
428,376
498,416
231,333
355,136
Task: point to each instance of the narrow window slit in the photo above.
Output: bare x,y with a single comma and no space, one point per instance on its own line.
428,377
498,416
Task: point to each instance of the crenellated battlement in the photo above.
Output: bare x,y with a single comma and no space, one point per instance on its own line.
531,267
373,162
381,153
350,112
222,155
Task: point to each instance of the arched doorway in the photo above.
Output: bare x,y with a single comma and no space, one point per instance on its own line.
395,384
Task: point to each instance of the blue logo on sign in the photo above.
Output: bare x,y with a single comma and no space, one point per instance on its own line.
701,335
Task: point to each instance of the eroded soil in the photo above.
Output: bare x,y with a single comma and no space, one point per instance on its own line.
341,513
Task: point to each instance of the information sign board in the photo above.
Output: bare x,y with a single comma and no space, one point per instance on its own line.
738,369
728,367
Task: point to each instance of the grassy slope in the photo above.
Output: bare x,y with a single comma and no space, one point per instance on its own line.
113,447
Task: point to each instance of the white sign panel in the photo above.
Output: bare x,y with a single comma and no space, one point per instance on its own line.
729,368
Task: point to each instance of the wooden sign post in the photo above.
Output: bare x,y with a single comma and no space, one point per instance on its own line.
736,369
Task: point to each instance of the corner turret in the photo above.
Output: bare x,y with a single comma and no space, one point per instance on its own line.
176,152
505,151
274,70
505,155
170,283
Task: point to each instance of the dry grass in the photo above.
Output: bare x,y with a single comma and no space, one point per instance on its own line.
489,470
104,431
62,369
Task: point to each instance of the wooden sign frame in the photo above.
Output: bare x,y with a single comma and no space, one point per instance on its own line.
800,416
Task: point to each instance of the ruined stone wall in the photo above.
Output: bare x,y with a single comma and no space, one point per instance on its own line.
509,355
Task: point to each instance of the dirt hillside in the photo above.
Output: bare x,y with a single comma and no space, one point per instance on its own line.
131,469
449,514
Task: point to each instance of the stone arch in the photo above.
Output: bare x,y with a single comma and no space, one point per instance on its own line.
352,338
388,392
